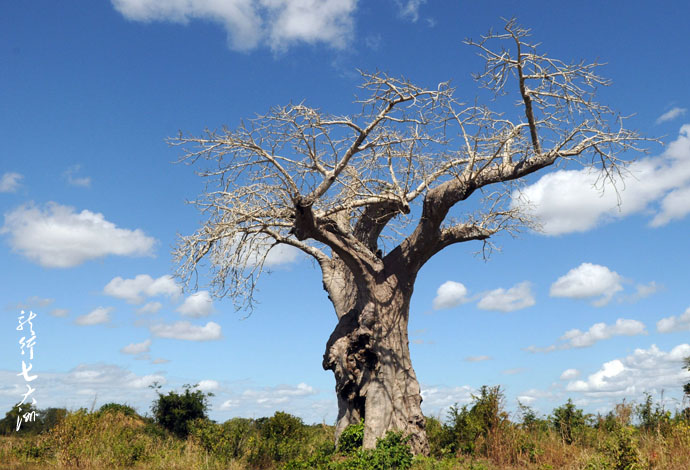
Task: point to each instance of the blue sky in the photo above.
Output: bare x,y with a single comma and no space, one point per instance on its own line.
595,308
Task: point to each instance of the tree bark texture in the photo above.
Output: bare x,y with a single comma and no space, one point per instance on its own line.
369,355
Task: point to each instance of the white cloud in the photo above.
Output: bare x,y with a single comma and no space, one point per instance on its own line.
645,370
517,297
280,396
58,237
137,348
675,205
59,312
281,254
645,290
208,385
478,358
673,323
10,182
136,290
598,332
186,331
450,294
568,201
249,24
601,331
73,180
588,280
197,305
437,399
671,114
570,374
150,307
97,316
410,8
34,302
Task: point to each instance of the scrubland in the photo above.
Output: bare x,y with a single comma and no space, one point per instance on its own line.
477,436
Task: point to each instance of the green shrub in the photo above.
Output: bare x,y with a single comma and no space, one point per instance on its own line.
441,438
118,408
281,438
568,421
351,438
653,418
175,411
622,450
483,419
8,425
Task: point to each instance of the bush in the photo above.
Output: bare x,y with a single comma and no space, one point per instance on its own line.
8,425
568,421
280,438
622,450
118,408
653,417
351,438
483,420
391,453
176,411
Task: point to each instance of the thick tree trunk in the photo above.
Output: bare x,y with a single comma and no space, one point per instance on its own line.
369,354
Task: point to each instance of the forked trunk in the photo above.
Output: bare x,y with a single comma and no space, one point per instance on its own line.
369,354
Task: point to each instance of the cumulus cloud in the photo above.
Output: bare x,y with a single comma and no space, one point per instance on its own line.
278,24
450,294
186,331
673,323
136,290
598,332
208,385
137,348
586,281
73,180
437,399
645,370
601,331
570,374
671,114
97,316
197,305
568,201
10,182
645,290
517,297
59,237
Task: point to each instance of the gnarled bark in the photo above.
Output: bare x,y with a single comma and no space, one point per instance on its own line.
369,355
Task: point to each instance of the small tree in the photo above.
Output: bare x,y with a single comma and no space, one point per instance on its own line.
568,420
374,196
27,417
175,411
686,366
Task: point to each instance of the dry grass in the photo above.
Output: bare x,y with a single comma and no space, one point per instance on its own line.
116,441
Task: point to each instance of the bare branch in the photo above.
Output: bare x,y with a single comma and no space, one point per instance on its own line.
396,170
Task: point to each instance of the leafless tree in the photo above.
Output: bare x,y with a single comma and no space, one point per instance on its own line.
373,196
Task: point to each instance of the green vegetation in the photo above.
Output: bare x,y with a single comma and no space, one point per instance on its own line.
476,436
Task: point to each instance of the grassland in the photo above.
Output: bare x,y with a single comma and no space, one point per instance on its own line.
478,436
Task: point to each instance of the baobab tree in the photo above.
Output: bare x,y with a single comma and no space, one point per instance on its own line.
372,197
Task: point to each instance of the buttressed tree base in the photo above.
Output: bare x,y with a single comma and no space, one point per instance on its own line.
372,197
